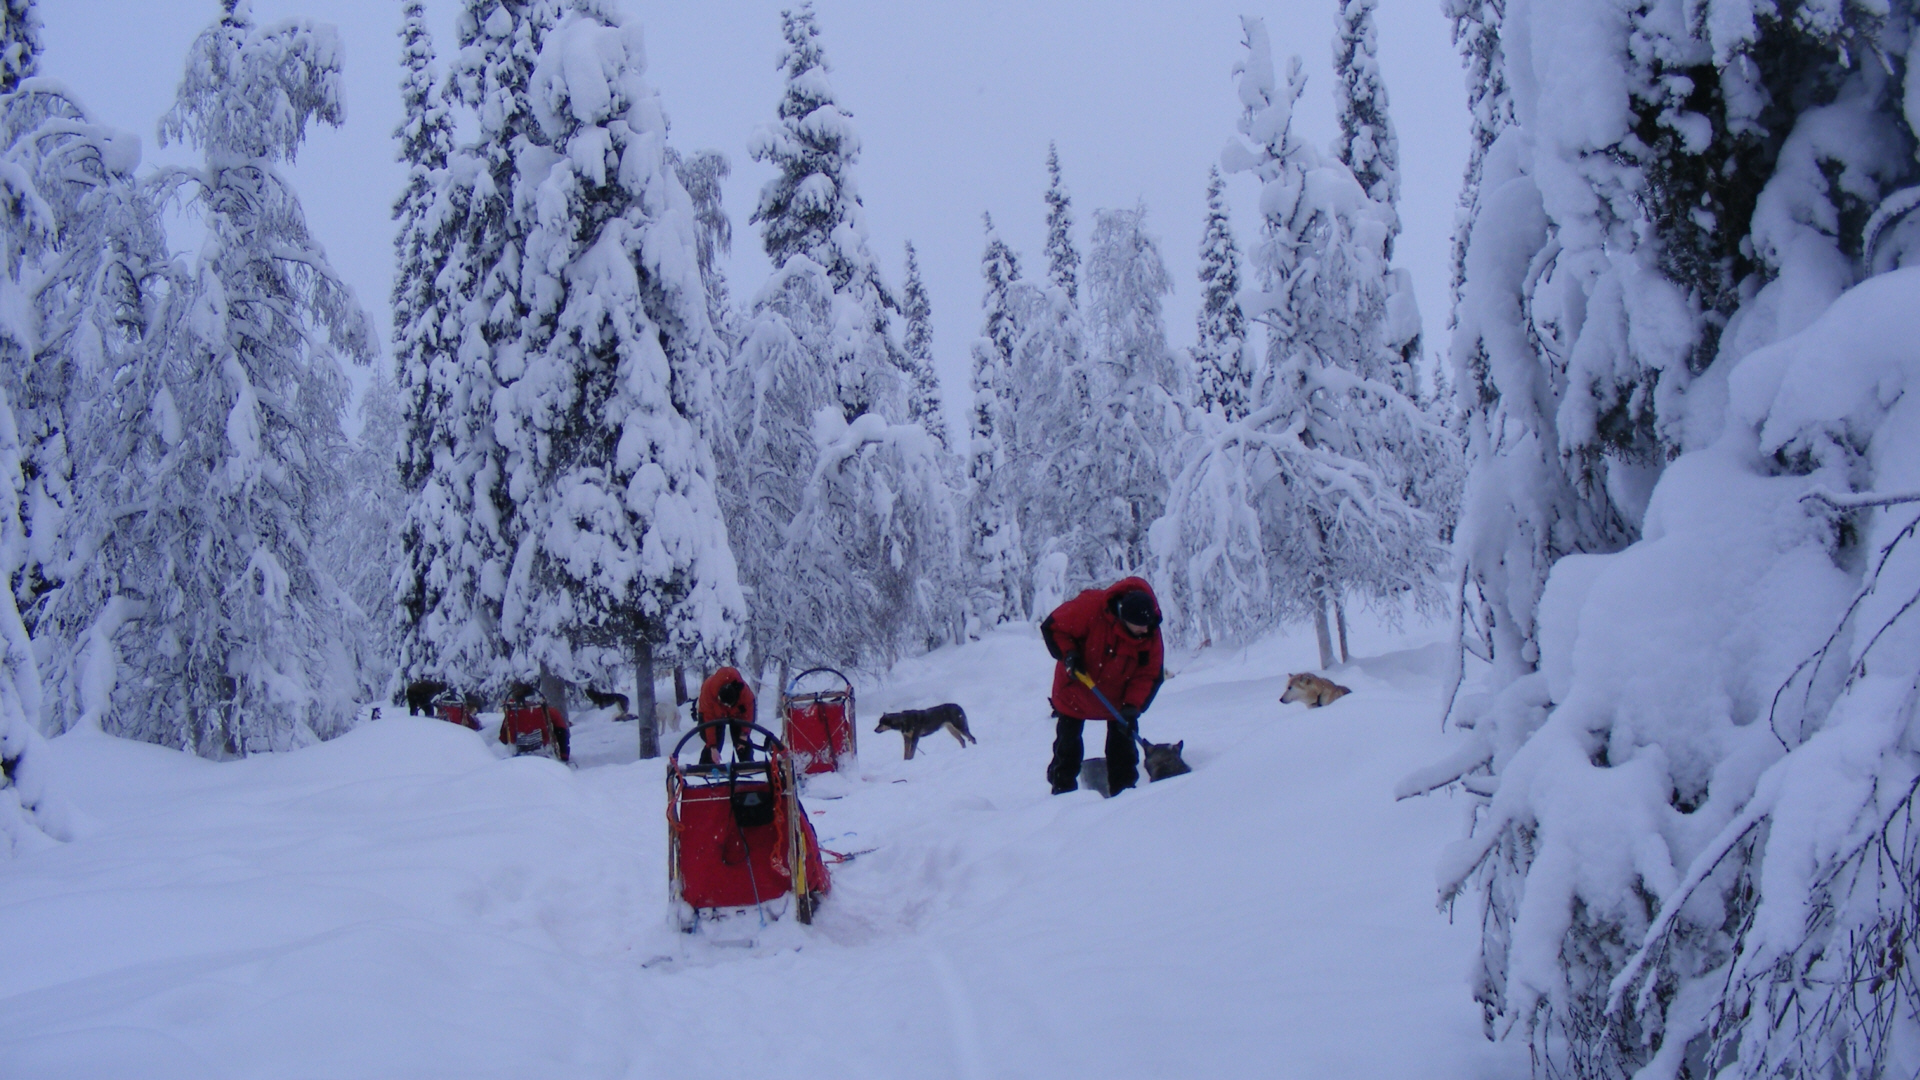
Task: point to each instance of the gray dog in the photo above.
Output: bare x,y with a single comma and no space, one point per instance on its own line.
912,724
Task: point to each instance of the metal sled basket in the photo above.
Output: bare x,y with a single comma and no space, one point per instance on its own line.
819,725
452,707
737,835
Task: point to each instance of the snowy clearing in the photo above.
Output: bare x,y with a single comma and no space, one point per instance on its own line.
402,902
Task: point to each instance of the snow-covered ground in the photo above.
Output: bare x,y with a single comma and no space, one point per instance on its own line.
402,902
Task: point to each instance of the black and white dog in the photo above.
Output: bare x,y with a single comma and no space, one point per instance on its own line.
913,724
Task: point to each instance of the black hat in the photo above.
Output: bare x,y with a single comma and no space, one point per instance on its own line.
1136,608
730,693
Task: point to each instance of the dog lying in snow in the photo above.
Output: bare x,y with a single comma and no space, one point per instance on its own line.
913,724
1162,759
1313,690
1159,760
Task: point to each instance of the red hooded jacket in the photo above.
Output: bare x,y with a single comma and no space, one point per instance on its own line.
712,708
1127,669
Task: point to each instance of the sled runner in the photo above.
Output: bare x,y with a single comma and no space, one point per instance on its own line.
819,725
452,707
737,836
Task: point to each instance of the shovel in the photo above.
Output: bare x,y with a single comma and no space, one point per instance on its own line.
1155,758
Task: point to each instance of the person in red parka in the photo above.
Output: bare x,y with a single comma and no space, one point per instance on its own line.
1113,635
725,696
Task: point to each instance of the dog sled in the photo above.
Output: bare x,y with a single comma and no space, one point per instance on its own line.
452,707
529,726
818,725
737,836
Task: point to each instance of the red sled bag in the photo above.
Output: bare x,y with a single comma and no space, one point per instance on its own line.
820,730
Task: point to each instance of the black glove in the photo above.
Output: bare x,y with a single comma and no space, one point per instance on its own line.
1131,714
1072,662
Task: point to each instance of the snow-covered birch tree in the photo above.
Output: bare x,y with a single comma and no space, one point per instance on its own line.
241,615
821,337
1325,469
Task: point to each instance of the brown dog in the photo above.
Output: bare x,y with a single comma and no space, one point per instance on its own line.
912,724
1313,690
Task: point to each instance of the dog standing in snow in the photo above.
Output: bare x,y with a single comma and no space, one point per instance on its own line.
913,724
1312,690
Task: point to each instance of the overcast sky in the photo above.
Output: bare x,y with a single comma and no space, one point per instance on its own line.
954,103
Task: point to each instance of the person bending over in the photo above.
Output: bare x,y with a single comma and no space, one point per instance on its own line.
1113,636
726,696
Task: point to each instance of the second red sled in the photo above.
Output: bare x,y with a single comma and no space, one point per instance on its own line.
819,725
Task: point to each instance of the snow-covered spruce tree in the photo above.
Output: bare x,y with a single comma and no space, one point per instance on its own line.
19,43
1684,544
999,569
1324,465
923,395
241,613
1476,34
619,541
462,520
1223,370
422,344
1370,150
30,815
812,208
1138,388
1063,259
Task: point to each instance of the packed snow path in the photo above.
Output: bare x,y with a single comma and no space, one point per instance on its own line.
403,903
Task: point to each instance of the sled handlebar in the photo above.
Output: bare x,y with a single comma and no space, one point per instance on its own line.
773,741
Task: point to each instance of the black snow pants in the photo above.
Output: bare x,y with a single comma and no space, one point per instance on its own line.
1123,759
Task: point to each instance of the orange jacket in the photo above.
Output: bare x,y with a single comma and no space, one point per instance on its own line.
1127,669
712,708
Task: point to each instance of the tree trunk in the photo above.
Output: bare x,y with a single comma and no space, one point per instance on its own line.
780,691
1340,619
1320,632
679,684
643,697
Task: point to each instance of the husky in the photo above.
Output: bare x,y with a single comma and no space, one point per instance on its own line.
1313,690
1158,760
1162,760
601,701
912,724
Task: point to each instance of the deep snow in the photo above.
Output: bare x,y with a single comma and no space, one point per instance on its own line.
402,902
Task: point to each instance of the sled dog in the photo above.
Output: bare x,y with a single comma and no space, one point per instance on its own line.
1162,760
912,724
601,701
1313,690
